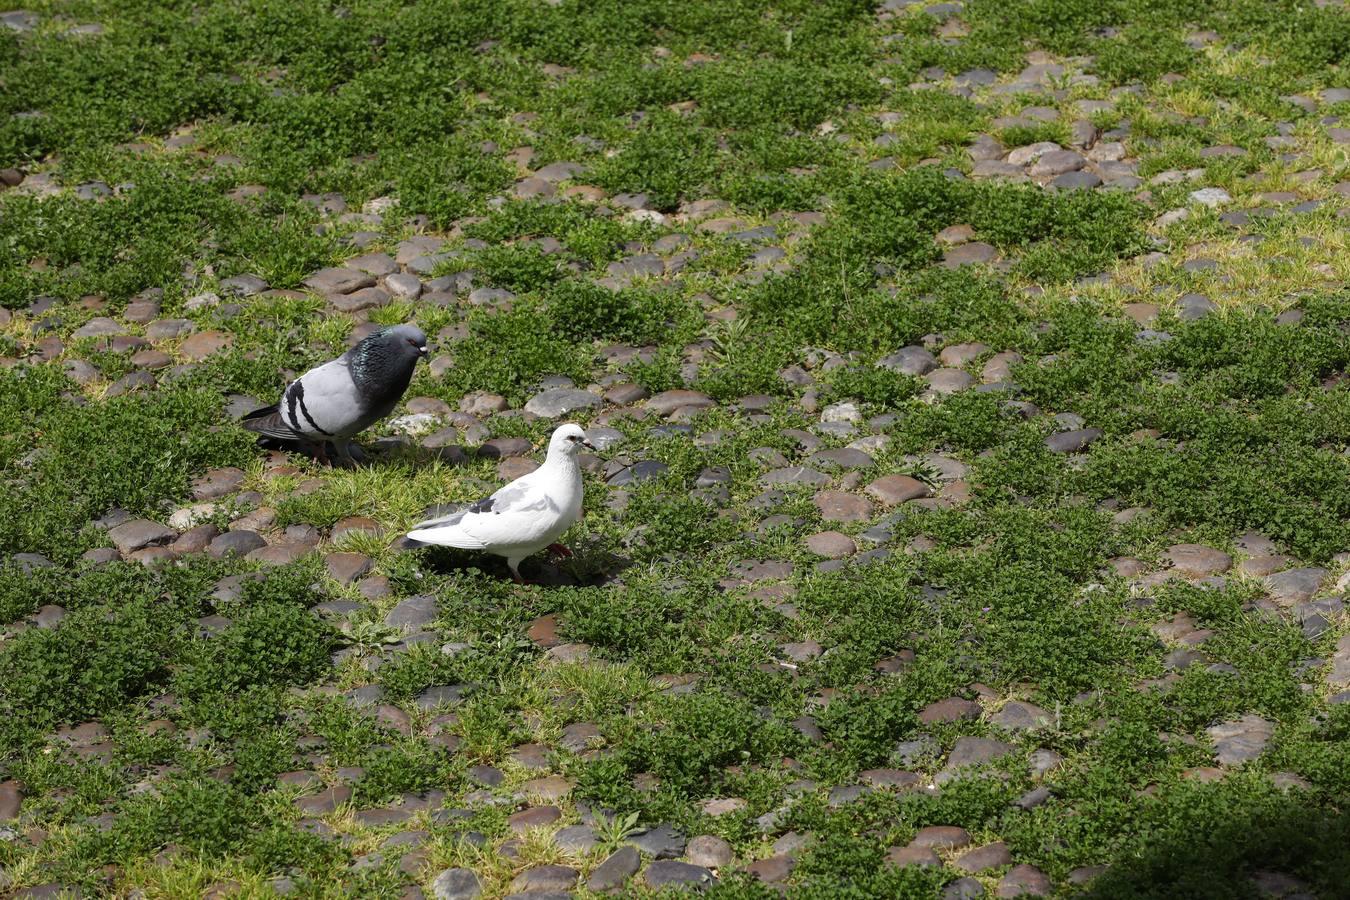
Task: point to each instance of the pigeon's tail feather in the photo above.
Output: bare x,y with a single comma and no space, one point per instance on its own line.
268,423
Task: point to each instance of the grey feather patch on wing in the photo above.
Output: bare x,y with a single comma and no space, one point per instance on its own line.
510,499
447,520
516,498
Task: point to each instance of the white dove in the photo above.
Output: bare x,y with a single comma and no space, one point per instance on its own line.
525,516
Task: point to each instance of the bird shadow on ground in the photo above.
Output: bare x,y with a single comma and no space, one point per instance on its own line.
591,565
329,456
377,453
1291,848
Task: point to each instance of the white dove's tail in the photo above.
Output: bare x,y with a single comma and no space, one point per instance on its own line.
446,536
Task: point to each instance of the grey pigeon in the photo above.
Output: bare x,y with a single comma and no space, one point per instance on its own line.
339,399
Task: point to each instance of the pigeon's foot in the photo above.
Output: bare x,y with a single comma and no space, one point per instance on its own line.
559,550
346,459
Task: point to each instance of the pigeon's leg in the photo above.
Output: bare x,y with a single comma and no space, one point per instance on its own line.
559,550
344,452
514,566
321,453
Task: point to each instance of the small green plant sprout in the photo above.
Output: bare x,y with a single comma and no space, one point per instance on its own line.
612,831
730,339
368,636
926,472
505,643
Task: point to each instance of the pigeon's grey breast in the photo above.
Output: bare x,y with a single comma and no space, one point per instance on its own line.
381,368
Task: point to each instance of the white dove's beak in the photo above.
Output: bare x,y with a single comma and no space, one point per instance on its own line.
586,443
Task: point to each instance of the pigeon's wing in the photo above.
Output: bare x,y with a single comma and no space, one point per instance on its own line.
322,403
507,517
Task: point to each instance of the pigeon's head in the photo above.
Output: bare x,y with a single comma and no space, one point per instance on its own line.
402,342
568,439
383,364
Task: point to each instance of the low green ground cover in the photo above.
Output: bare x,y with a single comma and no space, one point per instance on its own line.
1008,494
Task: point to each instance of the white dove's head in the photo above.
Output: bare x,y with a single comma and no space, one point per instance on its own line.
568,439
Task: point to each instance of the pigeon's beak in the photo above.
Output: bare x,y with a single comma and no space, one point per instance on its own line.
587,444
422,350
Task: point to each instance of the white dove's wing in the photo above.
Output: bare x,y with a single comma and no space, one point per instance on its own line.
516,515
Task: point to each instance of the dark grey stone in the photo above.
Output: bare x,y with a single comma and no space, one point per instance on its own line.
30,562
1072,441
963,889
545,879
1033,798
139,534
1076,181
642,471
243,285
659,842
668,872
487,776
972,751
1295,585
577,839
795,475
237,543
456,884
413,614
1194,306
367,695
620,866
440,694
917,748
560,401
910,361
